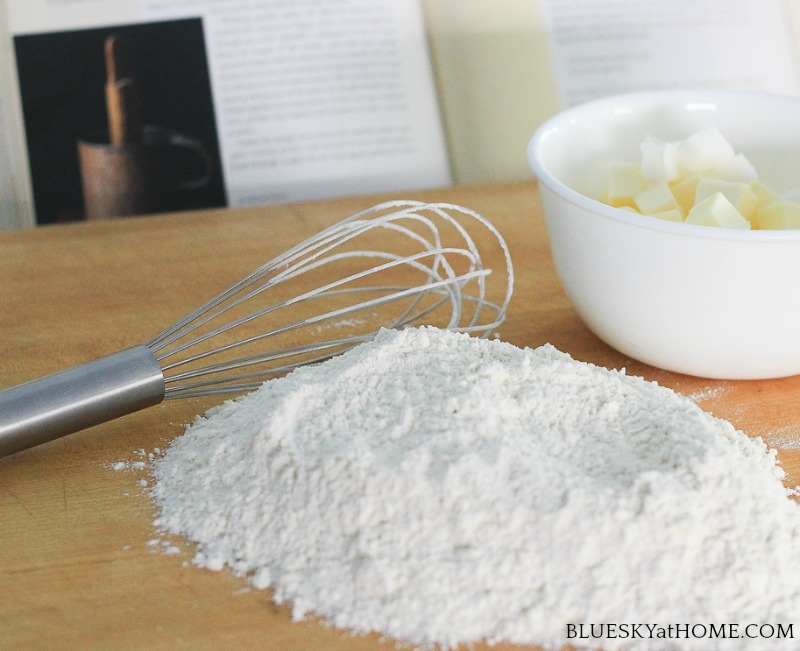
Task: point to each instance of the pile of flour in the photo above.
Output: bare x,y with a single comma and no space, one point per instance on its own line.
440,488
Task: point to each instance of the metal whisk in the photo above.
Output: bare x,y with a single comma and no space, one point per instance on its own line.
394,265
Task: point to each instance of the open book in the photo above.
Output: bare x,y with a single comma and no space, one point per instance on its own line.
215,102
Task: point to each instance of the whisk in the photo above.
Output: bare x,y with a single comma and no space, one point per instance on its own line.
397,264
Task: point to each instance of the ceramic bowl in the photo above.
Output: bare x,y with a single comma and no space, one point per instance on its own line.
705,301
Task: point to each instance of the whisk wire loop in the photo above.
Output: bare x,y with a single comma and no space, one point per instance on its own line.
394,261
440,275
312,249
447,292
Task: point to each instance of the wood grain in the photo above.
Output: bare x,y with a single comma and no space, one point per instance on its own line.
76,570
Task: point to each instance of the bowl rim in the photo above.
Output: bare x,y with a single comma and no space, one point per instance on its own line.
572,114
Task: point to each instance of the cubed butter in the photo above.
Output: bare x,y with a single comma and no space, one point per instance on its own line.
716,210
739,194
657,198
738,168
699,180
625,181
704,150
778,216
684,191
659,160
764,195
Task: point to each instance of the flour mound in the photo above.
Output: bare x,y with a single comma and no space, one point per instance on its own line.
440,489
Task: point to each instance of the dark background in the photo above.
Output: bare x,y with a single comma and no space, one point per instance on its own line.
62,79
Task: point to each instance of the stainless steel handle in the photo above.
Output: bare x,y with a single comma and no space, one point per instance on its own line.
71,400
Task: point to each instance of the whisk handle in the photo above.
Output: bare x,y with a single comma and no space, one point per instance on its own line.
71,400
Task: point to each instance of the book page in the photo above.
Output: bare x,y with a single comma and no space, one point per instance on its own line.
603,48
319,98
271,101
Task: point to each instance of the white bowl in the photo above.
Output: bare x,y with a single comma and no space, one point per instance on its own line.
706,301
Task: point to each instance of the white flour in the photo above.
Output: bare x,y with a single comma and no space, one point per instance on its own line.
442,489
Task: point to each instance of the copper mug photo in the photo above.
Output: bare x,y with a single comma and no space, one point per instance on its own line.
144,177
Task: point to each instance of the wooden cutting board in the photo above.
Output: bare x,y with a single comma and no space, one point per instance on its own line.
76,569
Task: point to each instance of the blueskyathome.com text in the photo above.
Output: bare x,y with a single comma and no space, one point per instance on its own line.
679,631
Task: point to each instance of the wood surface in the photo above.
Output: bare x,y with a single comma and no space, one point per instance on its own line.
76,570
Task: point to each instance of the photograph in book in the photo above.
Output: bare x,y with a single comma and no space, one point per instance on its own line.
119,121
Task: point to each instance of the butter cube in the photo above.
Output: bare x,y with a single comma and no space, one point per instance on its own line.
716,210
625,181
778,216
659,160
704,150
669,215
684,191
739,194
657,198
765,196
738,168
